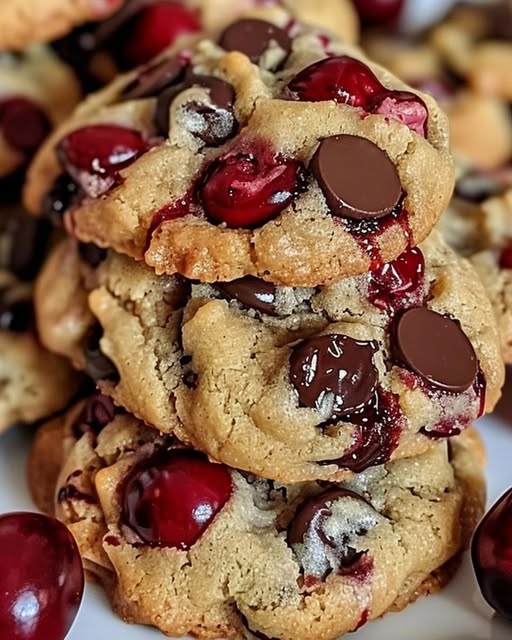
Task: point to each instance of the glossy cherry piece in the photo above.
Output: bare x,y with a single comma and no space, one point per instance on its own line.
41,578
349,81
378,11
172,498
246,189
342,79
156,27
95,154
492,555
392,286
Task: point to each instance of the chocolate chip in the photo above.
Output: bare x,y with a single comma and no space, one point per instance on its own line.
477,187
326,548
98,365
153,79
63,193
306,513
357,178
17,317
334,371
251,292
213,122
91,253
254,37
436,348
98,411
23,243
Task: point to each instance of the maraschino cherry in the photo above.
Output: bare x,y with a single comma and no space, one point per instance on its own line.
492,555
247,189
172,498
154,28
41,578
93,155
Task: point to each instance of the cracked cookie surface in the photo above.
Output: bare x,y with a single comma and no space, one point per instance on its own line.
216,180
276,554
241,369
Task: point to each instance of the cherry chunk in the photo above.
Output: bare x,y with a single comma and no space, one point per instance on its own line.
173,497
492,556
41,578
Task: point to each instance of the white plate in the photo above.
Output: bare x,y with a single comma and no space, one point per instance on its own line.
459,613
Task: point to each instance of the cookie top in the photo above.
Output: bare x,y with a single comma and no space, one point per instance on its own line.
26,22
263,558
35,383
288,383
231,186
141,29
38,91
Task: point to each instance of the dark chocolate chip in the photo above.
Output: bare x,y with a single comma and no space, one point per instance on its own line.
98,411
436,348
310,519
17,316
59,199
477,187
254,37
153,79
307,512
334,369
251,292
23,244
357,178
98,365
214,121
91,253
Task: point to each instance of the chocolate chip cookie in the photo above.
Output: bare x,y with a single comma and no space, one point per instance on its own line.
25,22
230,555
142,29
289,383
34,383
37,92
197,166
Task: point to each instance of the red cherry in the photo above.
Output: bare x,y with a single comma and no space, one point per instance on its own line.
95,154
404,106
246,189
156,27
349,81
41,578
342,78
172,499
378,11
390,287
506,258
492,555
24,125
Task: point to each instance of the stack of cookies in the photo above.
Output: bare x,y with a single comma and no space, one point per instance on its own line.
288,362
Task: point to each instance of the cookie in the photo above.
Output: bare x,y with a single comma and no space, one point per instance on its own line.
225,121
141,29
289,383
34,383
55,439
263,560
38,91
25,22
